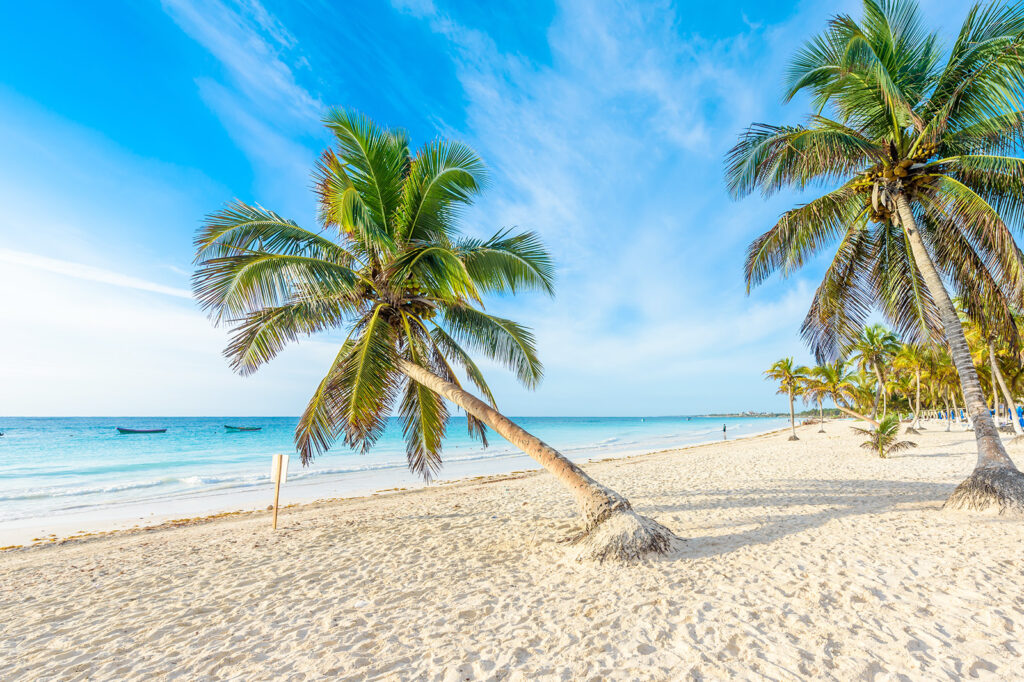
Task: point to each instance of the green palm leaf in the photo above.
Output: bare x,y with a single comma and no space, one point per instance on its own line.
500,339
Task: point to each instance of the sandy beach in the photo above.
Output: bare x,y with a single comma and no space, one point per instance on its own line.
811,559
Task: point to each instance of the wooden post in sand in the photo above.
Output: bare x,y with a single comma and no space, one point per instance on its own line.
278,474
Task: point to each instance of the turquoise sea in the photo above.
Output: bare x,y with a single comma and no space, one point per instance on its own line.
71,467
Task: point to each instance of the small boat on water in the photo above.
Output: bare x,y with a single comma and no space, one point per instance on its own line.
242,428
124,431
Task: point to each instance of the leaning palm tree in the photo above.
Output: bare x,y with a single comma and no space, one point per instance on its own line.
873,350
790,379
883,439
915,146
390,269
838,384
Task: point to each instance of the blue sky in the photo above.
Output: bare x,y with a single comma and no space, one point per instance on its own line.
604,124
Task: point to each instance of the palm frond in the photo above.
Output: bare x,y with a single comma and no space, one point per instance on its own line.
259,336
367,381
453,352
802,232
769,157
500,339
507,262
444,177
234,286
375,160
241,229
321,421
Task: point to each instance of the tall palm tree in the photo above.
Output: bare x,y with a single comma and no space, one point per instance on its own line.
915,146
873,349
912,358
790,379
390,269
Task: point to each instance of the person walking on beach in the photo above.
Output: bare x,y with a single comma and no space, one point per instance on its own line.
723,432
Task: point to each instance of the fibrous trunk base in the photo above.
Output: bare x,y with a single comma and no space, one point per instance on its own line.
793,438
996,490
912,430
623,536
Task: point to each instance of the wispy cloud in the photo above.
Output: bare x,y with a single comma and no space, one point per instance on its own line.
253,46
262,105
613,153
87,272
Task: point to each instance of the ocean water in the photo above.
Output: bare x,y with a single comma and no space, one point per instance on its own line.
69,467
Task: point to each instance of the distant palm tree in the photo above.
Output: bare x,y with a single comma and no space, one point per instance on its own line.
838,384
985,344
922,145
883,438
913,358
873,349
391,270
865,394
789,378
815,389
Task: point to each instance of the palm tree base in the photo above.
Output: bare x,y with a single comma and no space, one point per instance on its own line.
911,430
997,490
624,536
793,438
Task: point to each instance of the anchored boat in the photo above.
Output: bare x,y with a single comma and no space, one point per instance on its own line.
125,431
242,428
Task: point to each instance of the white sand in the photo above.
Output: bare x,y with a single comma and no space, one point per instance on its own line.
804,560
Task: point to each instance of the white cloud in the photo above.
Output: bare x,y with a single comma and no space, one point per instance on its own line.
613,153
98,343
252,46
87,272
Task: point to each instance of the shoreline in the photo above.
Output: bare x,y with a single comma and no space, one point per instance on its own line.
168,520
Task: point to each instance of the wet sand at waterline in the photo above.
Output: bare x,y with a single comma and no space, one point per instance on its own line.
810,559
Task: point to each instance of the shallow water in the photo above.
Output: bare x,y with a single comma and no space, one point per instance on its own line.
67,466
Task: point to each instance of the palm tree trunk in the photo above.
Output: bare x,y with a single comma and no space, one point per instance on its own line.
855,415
821,418
995,481
878,396
917,403
792,416
949,414
612,530
1007,396
995,389
881,391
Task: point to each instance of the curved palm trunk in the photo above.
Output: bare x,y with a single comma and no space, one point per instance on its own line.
612,530
995,482
855,415
792,416
821,418
1007,396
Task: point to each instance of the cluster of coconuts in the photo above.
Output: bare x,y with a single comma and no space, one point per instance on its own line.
890,172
